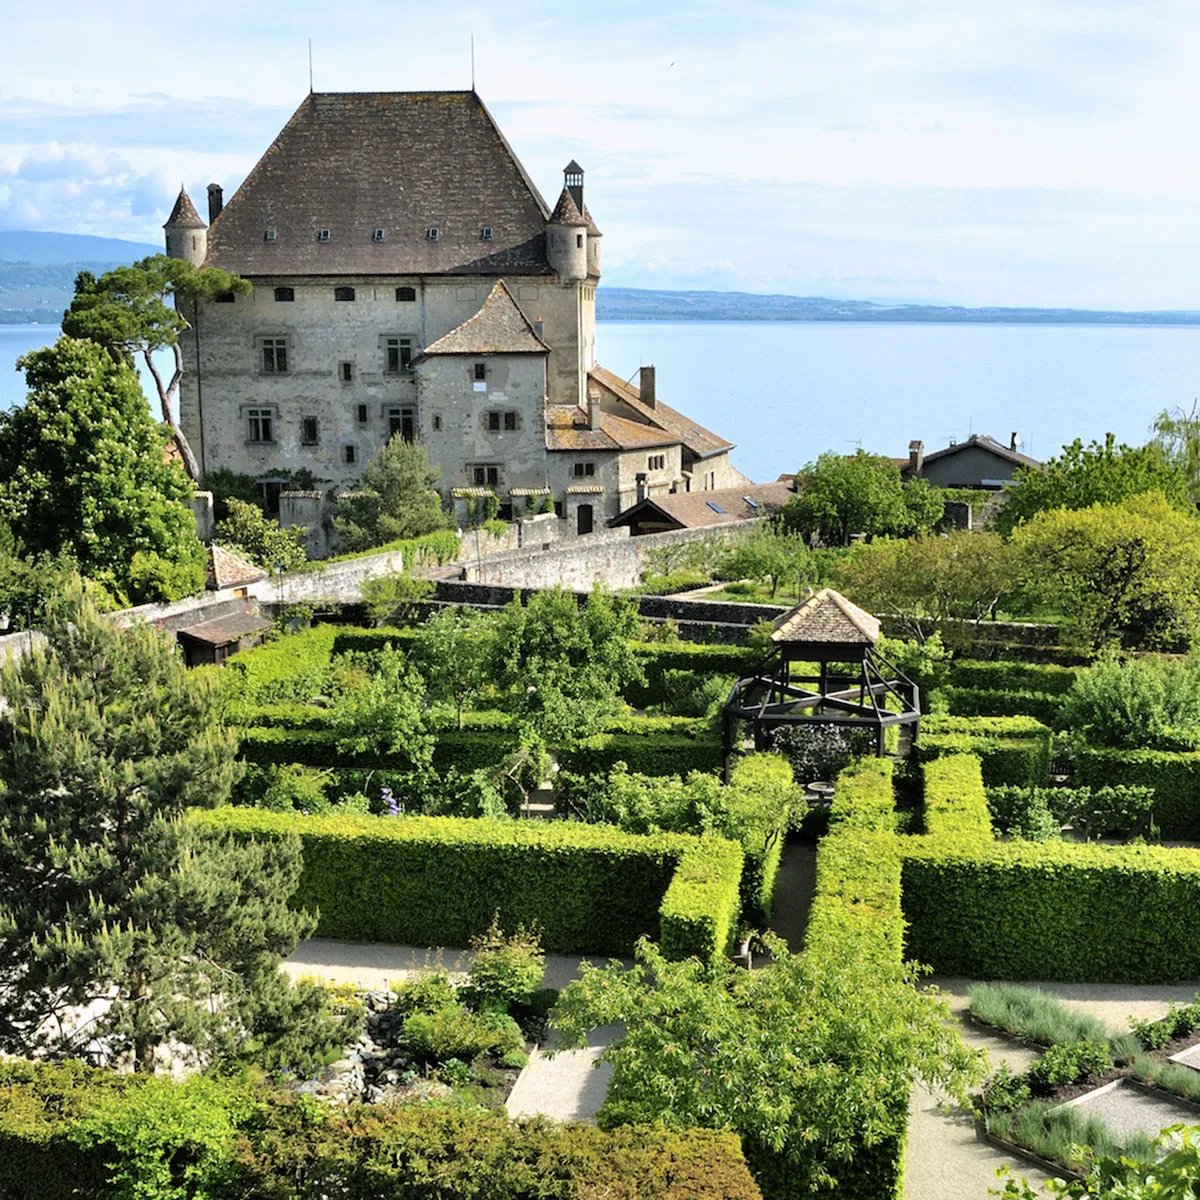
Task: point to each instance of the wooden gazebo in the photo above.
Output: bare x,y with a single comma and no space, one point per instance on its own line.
854,684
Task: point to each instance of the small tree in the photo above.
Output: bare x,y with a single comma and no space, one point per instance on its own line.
1177,435
395,499
1096,474
454,650
82,474
109,896
128,311
772,556
248,532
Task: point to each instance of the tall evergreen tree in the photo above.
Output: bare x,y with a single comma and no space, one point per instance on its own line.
121,923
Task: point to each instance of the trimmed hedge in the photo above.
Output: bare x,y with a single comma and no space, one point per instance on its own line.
657,658
1173,776
1014,750
437,881
955,799
989,702
290,669
668,754
1052,910
279,1149
1007,676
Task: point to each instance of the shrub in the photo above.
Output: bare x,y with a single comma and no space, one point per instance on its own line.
1019,760
986,702
1174,779
1004,1091
1032,1015
1068,1063
1023,812
507,970
427,993
694,695
1009,676
454,1032
820,752
293,668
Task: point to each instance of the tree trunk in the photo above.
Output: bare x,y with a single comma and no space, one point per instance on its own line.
166,393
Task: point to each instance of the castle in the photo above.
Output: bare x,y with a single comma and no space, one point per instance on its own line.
409,279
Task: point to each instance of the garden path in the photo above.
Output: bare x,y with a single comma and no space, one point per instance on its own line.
945,1161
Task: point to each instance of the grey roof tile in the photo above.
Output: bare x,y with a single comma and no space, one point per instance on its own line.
499,327
184,214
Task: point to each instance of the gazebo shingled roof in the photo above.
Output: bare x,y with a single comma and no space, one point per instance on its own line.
827,617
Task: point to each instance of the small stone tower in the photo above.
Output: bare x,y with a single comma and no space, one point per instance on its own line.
567,229
187,235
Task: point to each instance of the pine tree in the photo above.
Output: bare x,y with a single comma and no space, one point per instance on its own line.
111,902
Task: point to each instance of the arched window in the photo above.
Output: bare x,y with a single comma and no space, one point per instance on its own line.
285,293
406,293
343,293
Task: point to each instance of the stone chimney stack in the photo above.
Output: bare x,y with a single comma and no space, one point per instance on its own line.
916,456
593,411
216,201
1013,440
646,383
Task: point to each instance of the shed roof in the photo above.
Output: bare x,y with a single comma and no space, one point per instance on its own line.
224,631
983,442
499,327
827,617
227,569
403,162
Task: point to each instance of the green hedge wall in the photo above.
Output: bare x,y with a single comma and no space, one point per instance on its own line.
657,755
436,881
994,702
1005,676
955,798
657,658
1052,910
1173,776
279,1150
294,668
856,916
1014,750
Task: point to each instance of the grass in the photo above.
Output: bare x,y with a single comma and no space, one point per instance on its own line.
1032,1015
1057,1134
1171,1077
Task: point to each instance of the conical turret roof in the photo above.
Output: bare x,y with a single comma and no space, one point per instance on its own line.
184,214
566,211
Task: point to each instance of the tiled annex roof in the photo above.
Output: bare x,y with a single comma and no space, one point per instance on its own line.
567,429
184,214
403,162
827,617
224,631
499,327
721,506
700,441
226,569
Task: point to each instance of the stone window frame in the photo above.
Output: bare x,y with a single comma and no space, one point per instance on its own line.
484,474
349,454
404,341
393,415
656,462
583,470
310,431
479,372
261,420
406,294
502,420
345,293
285,295
267,348
361,414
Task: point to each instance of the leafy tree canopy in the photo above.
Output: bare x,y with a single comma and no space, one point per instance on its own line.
861,494
773,556
109,897
247,532
1126,574
129,311
395,499
1177,434
1096,474
453,650
83,475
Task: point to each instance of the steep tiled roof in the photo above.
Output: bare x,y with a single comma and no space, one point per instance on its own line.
499,327
224,631
184,213
566,211
403,162
696,510
587,216
567,429
983,442
827,617
700,441
226,569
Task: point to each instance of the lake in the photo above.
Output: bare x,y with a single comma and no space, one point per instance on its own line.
784,392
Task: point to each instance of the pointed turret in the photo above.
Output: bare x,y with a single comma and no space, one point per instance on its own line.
566,231
187,235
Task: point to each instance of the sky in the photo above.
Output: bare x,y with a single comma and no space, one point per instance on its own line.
947,151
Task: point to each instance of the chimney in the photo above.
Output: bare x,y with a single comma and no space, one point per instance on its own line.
593,409
643,492
916,456
216,201
1013,440
539,327
646,384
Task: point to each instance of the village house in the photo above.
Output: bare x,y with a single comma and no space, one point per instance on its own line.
410,280
979,462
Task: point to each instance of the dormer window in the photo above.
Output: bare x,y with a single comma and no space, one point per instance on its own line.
269,235
343,293
323,235
487,233
377,236
433,233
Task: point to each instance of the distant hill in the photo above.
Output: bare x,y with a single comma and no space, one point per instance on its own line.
635,304
43,249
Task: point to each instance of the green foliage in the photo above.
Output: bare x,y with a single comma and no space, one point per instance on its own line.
1006,675
772,556
455,1032
438,881
395,499
453,650
656,659
693,695
105,891
863,493
391,599
82,476
699,912
1098,474
295,668
1070,1062
1023,812
926,662
955,801
1032,1015
506,969
246,531
931,583
820,751
1019,761
1139,704
1051,910
664,754
864,798
991,702
1064,1135
1174,779
1125,574
227,485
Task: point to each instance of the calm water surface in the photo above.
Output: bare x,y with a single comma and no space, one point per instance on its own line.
786,392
